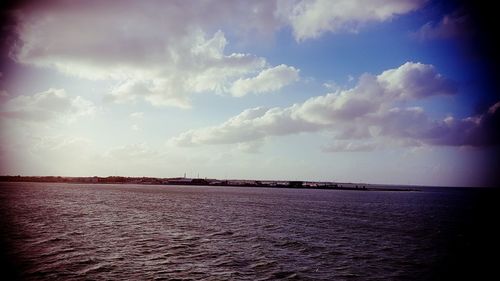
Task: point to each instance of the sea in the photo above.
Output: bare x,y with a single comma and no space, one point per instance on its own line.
57,231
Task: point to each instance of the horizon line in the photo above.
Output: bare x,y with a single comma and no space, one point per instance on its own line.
246,179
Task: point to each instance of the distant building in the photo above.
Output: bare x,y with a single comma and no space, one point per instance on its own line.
295,184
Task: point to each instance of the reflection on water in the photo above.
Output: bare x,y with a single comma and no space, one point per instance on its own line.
116,232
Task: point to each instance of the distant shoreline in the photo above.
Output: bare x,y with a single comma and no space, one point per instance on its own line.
202,182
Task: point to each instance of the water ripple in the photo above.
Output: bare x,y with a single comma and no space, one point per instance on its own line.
107,232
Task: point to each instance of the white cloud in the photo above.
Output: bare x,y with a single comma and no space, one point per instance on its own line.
250,147
59,144
349,146
163,52
494,108
375,94
250,125
414,81
194,64
454,25
271,79
135,152
367,111
312,18
53,104
4,96
103,35
137,115
332,86
25,152
159,51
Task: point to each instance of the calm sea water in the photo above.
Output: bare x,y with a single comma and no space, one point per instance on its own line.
137,232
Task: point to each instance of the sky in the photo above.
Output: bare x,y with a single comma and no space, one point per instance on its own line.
375,91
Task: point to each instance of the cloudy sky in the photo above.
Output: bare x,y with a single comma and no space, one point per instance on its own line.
380,91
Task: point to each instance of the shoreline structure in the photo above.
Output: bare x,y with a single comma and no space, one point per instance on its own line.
203,182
